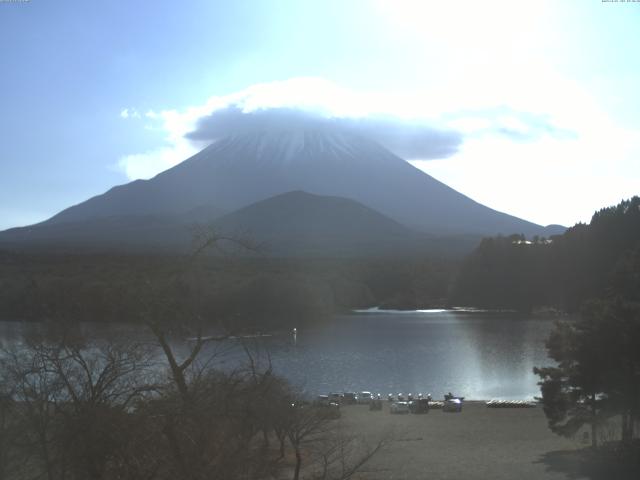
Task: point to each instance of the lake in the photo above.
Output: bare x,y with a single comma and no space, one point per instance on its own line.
479,355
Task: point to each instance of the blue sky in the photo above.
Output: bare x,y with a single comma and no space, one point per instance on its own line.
543,94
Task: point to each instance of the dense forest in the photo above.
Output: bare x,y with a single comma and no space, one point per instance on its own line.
241,292
587,261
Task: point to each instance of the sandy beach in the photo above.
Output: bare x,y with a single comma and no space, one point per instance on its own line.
478,443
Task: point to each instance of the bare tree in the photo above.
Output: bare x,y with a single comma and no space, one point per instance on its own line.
330,452
74,402
7,427
306,424
339,455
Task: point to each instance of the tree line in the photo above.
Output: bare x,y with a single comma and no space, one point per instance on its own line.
596,376
244,292
563,272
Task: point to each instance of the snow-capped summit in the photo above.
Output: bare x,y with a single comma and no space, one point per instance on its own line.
282,148
285,147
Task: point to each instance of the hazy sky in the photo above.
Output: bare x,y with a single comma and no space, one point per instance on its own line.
540,98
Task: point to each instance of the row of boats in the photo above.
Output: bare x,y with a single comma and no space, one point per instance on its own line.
410,403
510,404
397,403
351,398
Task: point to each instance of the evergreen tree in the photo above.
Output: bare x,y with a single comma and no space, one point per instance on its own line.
598,369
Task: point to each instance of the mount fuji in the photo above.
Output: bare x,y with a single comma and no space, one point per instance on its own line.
241,169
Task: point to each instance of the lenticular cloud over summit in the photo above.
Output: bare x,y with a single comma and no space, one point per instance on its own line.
405,139
295,104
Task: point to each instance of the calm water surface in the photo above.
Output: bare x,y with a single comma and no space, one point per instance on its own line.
479,355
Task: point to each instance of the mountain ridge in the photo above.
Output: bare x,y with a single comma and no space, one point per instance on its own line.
239,170
292,223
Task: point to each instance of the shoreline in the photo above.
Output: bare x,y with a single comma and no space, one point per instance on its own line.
545,312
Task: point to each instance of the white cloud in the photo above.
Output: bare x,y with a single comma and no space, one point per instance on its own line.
432,108
548,181
310,94
129,113
177,149
146,165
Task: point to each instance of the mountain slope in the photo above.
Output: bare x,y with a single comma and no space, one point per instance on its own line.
299,222
139,232
293,223
117,232
242,169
